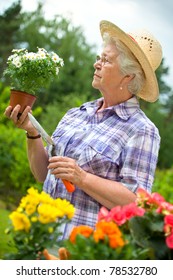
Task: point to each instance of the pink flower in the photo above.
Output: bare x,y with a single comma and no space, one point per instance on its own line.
132,210
143,197
103,214
168,219
168,225
156,199
118,215
169,241
165,208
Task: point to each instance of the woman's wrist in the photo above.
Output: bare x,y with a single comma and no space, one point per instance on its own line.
33,135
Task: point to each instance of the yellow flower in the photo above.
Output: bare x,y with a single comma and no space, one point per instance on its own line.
45,198
65,207
30,209
47,213
33,197
23,202
19,209
32,191
34,219
20,221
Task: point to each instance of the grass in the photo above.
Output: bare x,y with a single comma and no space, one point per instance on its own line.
4,238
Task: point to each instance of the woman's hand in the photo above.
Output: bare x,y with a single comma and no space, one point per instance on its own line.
66,168
21,122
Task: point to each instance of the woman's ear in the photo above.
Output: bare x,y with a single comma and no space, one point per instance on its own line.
127,79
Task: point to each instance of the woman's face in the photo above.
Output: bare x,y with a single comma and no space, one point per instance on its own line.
107,76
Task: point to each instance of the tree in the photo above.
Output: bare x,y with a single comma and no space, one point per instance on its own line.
161,114
10,23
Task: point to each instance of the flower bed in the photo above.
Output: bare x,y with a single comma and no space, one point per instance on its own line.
35,224
140,230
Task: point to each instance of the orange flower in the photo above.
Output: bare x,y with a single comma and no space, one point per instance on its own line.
116,241
83,230
98,234
108,228
111,230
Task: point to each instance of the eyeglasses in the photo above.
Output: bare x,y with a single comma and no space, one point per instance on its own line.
102,59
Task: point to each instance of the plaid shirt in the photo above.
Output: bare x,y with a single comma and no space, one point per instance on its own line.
118,143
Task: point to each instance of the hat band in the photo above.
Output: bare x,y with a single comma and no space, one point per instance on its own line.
132,38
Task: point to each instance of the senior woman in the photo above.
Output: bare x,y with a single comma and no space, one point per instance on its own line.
108,147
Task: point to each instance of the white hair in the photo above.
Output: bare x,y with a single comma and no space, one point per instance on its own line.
128,64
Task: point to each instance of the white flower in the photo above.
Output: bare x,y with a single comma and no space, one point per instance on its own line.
17,62
42,50
28,69
55,57
19,50
57,70
41,55
30,56
61,61
11,57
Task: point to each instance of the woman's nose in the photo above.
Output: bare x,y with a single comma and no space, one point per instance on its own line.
98,62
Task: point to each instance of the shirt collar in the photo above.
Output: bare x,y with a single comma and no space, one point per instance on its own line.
123,110
126,109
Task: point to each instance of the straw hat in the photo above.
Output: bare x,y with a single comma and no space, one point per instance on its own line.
146,49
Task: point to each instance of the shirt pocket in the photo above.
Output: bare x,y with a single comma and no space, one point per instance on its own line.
100,159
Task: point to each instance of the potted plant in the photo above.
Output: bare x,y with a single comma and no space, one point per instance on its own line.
142,230
139,230
29,72
36,224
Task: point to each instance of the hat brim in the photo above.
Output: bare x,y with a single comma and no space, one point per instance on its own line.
150,90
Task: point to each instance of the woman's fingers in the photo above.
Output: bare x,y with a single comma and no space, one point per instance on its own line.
20,120
62,166
11,113
61,161
65,168
24,116
8,111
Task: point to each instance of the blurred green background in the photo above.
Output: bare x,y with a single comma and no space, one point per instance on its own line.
20,29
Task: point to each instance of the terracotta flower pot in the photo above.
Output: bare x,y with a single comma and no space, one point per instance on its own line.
22,98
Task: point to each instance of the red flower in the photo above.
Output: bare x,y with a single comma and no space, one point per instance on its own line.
169,241
168,229
168,224
168,219
132,210
118,215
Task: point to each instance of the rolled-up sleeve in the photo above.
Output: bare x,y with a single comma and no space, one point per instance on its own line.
139,159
